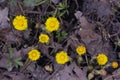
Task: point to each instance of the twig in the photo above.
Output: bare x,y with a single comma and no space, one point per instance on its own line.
77,4
32,12
21,8
86,59
114,34
27,63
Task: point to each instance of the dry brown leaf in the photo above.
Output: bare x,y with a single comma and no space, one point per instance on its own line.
71,72
4,18
93,41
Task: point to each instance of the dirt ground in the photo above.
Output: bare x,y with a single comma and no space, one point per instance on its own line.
93,23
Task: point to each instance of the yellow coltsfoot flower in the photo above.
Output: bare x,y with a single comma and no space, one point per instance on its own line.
34,55
20,23
115,64
102,59
44,38
62,57
52,24
81,50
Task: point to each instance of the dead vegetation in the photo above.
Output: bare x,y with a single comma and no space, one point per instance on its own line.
92,23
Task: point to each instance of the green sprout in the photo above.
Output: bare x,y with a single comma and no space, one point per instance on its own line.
61,10
60,35
13,61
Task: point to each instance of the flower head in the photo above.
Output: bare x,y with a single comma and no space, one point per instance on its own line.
90,76
115,64
62,57
102,59
52,24
103,72
34,55
20,23
43,38
81,50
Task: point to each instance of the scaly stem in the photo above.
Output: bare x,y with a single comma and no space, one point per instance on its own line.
27,63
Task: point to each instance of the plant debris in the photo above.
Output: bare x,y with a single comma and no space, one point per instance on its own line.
59,39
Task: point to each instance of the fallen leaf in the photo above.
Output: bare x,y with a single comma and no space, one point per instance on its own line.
93,41
71,72
4,18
